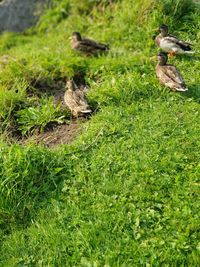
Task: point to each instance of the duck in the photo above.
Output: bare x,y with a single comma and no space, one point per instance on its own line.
172,44
168,75
75,100
87,46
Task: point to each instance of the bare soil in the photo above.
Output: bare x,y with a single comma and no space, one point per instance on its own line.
57,135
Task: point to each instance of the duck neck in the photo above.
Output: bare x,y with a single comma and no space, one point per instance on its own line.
162,62
163,33
71,87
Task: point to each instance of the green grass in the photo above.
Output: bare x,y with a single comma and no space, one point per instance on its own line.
126,191
31,117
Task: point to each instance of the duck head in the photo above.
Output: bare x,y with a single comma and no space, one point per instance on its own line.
163,29
76,36
162,58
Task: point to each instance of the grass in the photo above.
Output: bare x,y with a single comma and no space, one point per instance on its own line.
126,192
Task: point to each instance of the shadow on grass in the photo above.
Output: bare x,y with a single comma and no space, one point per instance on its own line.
193,92
188,57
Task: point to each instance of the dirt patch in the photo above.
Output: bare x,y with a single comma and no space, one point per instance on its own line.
57,135
54,134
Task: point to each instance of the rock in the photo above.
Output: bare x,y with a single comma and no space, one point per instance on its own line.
18,15
4,60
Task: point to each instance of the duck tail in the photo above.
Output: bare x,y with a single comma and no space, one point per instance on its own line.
107,47
104,47
182,89
86,111
189,52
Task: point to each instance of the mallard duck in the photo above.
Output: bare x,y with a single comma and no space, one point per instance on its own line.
168,75
171,44
75,100
86,46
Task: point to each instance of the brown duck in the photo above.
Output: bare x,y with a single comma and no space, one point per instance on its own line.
87,46
171,44
75,100
168,75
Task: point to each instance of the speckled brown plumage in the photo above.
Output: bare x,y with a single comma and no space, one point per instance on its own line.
75,100
168,75
87,46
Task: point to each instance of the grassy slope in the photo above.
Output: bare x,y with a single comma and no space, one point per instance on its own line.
126,192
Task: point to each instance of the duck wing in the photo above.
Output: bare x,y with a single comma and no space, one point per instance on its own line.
174,74
80,98
89,44
183,45
74,98
170,76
